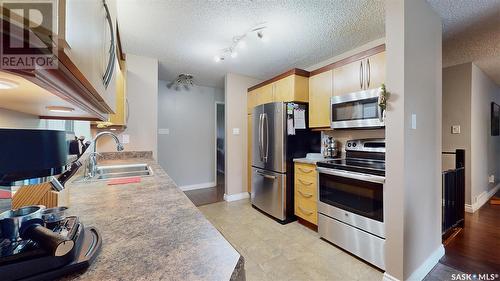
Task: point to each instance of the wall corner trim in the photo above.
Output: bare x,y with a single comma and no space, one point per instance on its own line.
236,197
197,186
482,199
427,265
388,277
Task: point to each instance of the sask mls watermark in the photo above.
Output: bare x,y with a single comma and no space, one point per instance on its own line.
29,37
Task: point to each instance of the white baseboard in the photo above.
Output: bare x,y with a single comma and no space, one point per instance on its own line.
482,199
388,277
427,265
236,197
197,186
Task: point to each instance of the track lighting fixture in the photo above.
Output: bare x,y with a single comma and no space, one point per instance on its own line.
239,42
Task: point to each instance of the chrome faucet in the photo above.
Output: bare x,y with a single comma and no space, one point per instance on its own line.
92,160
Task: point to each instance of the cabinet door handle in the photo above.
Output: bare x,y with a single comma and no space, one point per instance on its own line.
305,182
304,170
306,195
361,75
307,212
108,74
368,73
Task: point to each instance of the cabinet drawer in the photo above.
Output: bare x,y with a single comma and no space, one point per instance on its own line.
305,171
306,181
306,209
306,191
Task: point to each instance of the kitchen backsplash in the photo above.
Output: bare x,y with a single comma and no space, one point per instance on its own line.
342,136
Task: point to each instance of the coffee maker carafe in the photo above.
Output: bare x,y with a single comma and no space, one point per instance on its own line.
330,149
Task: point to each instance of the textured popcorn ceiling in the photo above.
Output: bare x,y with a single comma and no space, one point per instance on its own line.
186,35
471,33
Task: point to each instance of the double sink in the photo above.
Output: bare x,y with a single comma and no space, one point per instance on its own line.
120,171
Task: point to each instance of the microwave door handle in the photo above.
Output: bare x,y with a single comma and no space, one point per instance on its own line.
379,108
361,75
368,73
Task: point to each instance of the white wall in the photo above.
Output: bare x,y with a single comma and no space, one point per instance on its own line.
12,119
413,159
187,153
235,89
484,147
142,95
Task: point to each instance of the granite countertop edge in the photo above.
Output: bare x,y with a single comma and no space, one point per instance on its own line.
308,160
169,238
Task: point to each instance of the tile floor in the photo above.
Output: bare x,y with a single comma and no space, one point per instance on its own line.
283,252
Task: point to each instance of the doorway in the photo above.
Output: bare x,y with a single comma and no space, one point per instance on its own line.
215,193
220,147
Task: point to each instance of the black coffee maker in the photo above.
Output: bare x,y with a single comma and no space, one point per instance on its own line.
37,243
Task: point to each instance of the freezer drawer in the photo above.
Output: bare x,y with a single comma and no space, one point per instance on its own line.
357,242
268,192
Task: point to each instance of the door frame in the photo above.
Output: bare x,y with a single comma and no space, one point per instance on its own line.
217,103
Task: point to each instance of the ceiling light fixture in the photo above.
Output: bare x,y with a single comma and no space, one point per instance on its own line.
240,43
6,84
184,80
60,109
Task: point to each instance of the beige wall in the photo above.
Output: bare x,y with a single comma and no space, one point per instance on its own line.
13,119
467,97
236,87
142,95
413,159
484,147
457,84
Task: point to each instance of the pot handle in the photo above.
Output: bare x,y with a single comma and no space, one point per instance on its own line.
52,242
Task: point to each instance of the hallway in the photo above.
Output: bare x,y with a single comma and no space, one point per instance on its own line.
476,248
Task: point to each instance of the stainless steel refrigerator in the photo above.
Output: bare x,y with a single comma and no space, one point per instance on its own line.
274,147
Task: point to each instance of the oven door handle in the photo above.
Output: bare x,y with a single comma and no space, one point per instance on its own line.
352,175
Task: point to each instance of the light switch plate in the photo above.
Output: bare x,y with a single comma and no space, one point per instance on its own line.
414,121
164,131
455,129
125,138
236,131
491,179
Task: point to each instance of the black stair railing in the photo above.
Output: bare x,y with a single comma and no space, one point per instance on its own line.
453,189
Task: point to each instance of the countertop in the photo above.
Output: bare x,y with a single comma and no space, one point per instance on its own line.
151,231
308,160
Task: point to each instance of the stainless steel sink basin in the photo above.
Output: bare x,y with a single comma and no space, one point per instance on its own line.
121,171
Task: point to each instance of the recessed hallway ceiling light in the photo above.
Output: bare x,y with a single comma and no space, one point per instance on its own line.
7,84
60,109
234,54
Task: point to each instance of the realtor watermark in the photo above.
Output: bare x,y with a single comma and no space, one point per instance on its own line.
475,276
29,35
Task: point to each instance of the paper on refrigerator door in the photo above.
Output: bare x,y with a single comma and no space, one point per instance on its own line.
290,127
299,116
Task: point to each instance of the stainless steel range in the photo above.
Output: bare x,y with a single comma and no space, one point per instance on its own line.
351,200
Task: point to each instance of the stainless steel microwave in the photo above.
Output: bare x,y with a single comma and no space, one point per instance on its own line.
356,110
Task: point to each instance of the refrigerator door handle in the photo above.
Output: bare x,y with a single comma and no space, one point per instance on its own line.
260,137
267,136
266,176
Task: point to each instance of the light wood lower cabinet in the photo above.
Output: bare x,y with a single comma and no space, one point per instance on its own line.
305,192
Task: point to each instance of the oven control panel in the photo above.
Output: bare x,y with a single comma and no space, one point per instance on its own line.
366,145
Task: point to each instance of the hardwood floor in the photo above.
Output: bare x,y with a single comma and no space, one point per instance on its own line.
210,195
476,249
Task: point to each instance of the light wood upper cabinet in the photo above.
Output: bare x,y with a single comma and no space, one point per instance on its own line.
265,94
88,36
364,74
320,92
292,88
349,78
251,100
375,72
